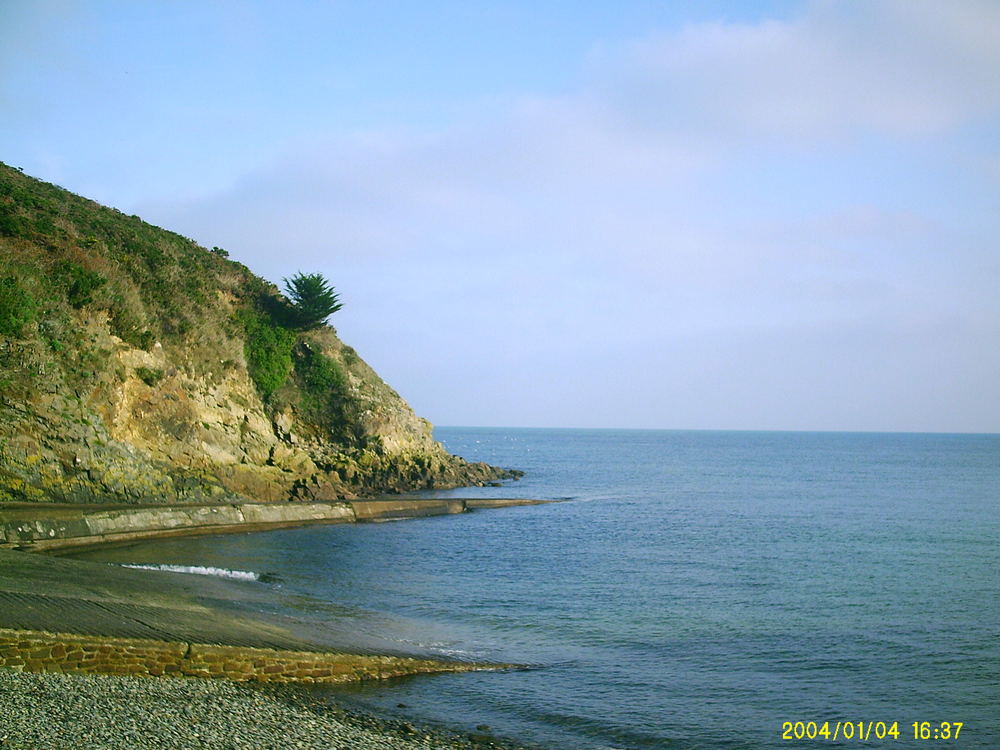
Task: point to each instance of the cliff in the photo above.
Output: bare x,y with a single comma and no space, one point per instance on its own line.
139,367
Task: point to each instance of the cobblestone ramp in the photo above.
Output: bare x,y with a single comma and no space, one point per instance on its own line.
23,611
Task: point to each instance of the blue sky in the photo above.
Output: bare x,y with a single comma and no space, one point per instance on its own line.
633,214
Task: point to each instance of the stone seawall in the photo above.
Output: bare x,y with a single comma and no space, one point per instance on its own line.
45,526
36,651
389,510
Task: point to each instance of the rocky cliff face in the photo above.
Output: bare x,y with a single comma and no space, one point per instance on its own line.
136,366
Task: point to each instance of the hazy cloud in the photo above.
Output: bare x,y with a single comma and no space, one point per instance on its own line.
724,216
905,67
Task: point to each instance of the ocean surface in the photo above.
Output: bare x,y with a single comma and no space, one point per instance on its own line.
694,590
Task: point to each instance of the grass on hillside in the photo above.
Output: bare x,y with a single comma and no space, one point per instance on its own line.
65,256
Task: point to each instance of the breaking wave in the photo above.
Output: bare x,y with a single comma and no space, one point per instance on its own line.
201,570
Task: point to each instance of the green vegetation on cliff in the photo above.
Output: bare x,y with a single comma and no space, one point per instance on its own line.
136,365
17,307
268,349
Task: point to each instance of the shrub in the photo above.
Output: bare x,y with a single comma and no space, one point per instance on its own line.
149,376
81,284
320,374
268,349
144,340
44,225
126,320
17,307
12,225
323,387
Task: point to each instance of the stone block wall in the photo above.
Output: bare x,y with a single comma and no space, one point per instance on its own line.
35,651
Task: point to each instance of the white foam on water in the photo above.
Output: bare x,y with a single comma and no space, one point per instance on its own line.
201,570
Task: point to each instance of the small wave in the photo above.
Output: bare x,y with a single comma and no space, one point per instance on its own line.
201,570
440,648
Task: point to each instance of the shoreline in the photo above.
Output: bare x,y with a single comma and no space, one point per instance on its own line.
150,635
50,711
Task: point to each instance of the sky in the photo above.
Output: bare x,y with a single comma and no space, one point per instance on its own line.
686,215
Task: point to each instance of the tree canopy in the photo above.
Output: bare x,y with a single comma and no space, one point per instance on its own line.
312,299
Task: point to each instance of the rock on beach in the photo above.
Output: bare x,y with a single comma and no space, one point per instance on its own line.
49,711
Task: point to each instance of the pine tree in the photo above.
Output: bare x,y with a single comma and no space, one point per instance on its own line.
313,300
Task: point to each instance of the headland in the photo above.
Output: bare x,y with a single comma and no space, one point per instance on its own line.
151,387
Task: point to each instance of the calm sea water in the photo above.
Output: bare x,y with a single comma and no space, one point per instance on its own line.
696,590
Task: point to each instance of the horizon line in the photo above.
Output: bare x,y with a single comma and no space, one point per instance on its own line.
719,429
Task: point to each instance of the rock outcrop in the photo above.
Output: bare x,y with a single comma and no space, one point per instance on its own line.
138,367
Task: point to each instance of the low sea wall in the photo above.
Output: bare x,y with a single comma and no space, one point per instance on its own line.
389,510
36,651
45,526
54,527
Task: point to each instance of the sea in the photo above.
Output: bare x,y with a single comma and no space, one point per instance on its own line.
688,589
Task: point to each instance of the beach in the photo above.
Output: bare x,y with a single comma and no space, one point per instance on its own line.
74,616
47,711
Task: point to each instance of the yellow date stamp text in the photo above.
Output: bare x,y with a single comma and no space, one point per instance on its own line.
866,731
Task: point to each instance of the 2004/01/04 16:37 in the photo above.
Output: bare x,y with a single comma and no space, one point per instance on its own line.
865,730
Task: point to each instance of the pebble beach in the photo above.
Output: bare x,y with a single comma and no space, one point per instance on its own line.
51,711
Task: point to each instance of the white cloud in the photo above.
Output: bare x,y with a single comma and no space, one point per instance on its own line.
903,67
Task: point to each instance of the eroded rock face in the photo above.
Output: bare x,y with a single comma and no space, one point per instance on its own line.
190,436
